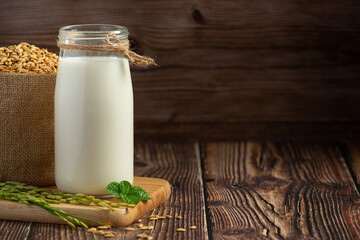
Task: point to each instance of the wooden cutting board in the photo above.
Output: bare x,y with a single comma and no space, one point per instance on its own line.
158,189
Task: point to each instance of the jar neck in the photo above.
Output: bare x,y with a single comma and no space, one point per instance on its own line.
91,34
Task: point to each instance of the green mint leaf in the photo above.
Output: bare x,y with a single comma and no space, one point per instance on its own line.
126,192
114,188
131,198
125,187
142,193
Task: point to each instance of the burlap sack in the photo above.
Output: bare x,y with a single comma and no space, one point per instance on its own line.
27,128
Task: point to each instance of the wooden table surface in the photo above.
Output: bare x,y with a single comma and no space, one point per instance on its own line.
241,190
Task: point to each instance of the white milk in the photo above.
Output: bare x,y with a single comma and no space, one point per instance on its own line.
93,124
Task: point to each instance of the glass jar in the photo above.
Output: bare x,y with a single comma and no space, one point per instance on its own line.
93,112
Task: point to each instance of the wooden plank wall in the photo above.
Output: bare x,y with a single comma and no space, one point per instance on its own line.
228,69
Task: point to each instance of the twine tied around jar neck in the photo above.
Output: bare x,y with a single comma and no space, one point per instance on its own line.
120,47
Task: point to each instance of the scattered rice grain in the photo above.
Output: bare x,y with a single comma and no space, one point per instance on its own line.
141,235
92,230
100,232
104,227
109,235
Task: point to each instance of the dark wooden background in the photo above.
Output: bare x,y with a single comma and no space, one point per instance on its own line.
228,69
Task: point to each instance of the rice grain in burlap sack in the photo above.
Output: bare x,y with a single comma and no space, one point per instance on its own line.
27,128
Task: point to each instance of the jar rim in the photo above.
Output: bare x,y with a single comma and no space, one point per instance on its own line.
91,32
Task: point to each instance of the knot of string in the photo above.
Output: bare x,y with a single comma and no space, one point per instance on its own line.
120,47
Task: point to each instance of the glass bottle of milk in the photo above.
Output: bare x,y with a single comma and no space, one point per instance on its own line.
93,113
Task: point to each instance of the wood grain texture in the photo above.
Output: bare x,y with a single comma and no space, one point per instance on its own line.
221,61
180,165
279,191
253,191
10,230
353,160
177,163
